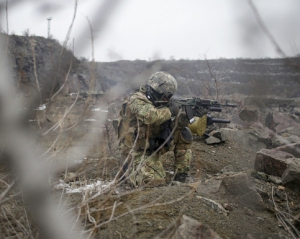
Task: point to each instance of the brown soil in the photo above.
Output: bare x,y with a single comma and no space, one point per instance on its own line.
154,212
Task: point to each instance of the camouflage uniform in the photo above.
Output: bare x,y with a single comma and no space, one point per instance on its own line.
139,123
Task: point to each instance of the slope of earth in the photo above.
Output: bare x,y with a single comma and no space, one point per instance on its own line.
225,192
121,211
155,212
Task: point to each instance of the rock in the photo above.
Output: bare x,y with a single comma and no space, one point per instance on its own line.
262,176
269,178
235,184
249,212
239,135
227,169
296,111
293,149
262,193
297,221
279,140
271,161
253,138
234,188
280,195
237,187
249,113
212,140
284,123
214,205
70,177
209,187
192,229
270,121
249,236
275,179
291,176
260,136
227,206
219,135
294,117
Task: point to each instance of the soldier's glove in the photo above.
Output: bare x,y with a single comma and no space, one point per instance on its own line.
200,111
173,107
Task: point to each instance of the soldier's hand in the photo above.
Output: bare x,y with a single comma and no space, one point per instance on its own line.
173,107
200,111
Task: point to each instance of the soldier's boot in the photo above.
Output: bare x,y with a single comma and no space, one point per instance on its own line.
183,178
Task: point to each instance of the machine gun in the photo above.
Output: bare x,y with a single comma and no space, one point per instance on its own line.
190,106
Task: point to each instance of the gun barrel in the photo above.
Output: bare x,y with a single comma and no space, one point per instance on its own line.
222,121
211,120
230,105
215,109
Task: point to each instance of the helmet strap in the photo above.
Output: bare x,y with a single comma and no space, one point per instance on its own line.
153,95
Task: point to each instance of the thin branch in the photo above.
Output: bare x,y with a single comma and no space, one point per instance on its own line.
66,78
3,194
265,29
33,44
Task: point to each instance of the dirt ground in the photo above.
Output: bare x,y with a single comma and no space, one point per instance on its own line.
155,212
120,211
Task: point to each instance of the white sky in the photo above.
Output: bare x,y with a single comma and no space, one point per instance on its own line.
161,29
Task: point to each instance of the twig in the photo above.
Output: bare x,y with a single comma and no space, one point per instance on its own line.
3,194
64,45
284,220
33,44
8,221
59,123
287,203
9,198
148,206
17,221
265,29
66,78
113,211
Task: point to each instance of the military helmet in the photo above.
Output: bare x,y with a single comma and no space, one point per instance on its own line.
163,83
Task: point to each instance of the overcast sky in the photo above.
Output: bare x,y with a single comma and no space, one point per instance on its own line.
162,29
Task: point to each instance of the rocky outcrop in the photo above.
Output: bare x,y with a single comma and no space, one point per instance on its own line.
34,58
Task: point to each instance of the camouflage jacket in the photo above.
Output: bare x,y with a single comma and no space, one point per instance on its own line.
140,120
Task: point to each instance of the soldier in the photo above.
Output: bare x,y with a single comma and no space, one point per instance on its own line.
148,124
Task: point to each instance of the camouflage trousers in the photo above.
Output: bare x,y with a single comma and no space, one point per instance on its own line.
146,167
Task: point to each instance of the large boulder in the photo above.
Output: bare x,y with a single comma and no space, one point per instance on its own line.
291,176
233,188
249,114
272,161
253,138
235,184
280,164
